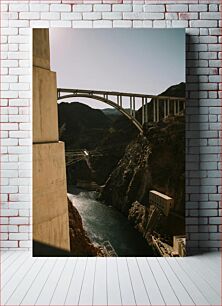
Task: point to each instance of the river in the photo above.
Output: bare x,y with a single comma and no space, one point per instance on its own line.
104,223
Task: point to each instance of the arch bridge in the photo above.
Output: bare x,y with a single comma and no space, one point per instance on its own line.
153,108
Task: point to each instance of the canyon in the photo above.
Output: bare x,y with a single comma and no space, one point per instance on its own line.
124,165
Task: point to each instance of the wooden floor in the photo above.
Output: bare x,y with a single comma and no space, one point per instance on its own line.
110,281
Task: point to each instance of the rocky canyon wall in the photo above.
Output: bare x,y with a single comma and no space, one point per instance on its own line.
153,161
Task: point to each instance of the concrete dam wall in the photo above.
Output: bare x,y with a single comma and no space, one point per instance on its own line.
50,207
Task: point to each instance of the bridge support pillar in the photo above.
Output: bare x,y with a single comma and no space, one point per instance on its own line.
168,107
143,117
146,111
157,110
134,107
174,108
131,106
154,110
164,109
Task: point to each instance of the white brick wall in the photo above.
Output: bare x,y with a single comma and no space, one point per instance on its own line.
203,166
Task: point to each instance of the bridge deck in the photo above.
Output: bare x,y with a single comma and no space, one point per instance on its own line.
117,93
110,281
162,106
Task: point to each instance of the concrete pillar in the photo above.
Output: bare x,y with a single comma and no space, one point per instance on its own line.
50,210
178,106
164,109
50,207
134,107
143,120
154,110
168,107
45,113
41,50
146,111
174,107
131,106
157,110
121,102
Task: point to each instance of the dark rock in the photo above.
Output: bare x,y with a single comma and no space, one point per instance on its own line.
136,216
129,181
80,244
153,161
81,126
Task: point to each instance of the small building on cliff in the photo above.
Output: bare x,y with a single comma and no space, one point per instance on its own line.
161,201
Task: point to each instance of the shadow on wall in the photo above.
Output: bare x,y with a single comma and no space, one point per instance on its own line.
193,192
45,250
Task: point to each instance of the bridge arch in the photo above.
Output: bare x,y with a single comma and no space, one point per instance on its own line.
105,100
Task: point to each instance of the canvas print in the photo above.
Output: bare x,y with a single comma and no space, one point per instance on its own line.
109,142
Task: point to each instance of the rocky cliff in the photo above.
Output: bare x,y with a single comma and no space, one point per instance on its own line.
80,244
154,160
82,127
130,179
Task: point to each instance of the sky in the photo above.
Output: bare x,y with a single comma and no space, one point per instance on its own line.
128,60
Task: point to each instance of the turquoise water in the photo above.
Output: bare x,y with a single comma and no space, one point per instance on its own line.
104,223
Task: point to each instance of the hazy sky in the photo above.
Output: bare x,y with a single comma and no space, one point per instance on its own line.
127,60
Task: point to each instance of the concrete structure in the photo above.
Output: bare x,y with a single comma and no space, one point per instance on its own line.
44,106
162,106
41,50
50,217
179,246
162,201
50,207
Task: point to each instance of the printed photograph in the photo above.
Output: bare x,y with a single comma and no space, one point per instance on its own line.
109,142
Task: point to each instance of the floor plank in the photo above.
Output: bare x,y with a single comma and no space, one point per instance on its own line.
74,291
63,284
10,261
165,287
180,291
86,294
100,282
47,291
38,283
23,287
110,281
212,278
12,270
187,281
207,291
113,284
127,294
4,255
9,287
152,287
139,289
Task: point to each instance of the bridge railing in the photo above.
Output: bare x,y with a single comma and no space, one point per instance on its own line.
114,93
152,108
162,107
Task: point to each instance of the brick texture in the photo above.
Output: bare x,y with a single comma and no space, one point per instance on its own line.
201,18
